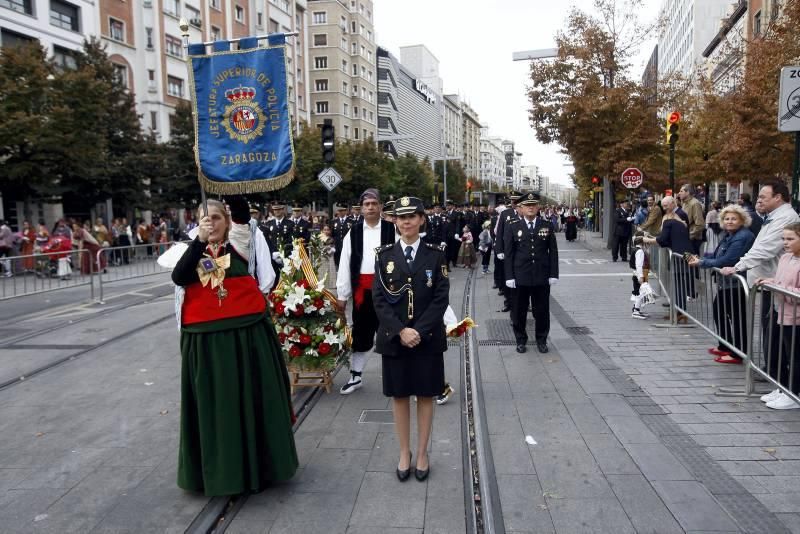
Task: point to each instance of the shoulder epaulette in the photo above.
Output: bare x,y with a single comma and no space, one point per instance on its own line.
383,248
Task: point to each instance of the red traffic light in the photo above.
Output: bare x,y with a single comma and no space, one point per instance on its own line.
469,185
674,117
595,180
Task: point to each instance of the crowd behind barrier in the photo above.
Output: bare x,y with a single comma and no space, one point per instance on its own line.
44,271
128,262
757,324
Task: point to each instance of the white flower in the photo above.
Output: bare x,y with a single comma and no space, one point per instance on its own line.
321,283
332,339
296,296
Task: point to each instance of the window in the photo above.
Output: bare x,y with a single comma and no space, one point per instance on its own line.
355,134
361,8
21,6
121,74
344,65
369,55
172,7
215,4
369,35
216,33
343,23
273,26
369,75
154,120
364,113
353,26
355,69
369,99
320,39
174,86
363,30
193,14
345,109
363,51
355,112
371,117
116,30
776,8
355,90
363,75
173,46
343,44
259,19
346,132
757,24
354,48
322,107
151,80
321,85
320,17
239,14
321,62
344,87
64,15
148,32
64,58
11,39
363,92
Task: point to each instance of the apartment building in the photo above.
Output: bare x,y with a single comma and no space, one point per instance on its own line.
689,27
492,171
724,55
471,134
342,72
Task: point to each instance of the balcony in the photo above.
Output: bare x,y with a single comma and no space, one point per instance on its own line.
197,23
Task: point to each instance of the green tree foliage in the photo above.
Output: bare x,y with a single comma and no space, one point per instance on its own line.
456,179
175,185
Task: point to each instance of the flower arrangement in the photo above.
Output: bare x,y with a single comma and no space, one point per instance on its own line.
313,336
460,328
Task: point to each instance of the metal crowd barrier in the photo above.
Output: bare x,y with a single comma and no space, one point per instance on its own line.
46,271
128,262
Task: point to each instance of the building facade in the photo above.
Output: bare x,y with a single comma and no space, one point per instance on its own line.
471,134
724,55
408,112
492,161
530,178
513,164
690,26
452,128
343,67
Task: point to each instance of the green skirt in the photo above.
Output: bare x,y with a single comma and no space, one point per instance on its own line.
236,418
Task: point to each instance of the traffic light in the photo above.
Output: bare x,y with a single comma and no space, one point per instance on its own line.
328,142
469,186
595,180
673,124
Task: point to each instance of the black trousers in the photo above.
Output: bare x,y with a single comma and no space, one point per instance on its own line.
499,273
365,324
538,298
486,256
619,247
730,316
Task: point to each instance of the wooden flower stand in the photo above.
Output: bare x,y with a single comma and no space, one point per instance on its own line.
310,378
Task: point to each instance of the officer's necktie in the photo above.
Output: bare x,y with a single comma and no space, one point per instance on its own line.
409,258
530,226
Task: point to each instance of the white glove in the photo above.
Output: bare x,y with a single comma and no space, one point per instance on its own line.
511,284
276,256
501,256
553,281
443,244
458,237
630,219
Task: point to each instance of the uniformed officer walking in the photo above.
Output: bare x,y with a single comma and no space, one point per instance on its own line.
340,225
410,295
278,232
531,266
302,228
505,218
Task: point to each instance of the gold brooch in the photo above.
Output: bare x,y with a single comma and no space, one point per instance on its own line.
390,267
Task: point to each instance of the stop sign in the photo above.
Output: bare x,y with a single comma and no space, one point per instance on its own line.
632,178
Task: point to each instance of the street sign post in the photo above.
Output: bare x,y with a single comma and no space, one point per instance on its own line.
330,178
632,178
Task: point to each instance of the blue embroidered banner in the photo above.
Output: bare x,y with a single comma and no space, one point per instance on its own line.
243,135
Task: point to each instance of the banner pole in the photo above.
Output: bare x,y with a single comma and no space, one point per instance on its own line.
184,26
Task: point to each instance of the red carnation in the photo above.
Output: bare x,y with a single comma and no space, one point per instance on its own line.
299,311
324,349
305,339
279,309
282,338
295,351
460,330
303,283
319,303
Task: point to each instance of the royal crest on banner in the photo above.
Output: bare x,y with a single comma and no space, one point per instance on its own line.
243,135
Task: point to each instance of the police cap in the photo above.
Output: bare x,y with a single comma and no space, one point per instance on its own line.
409,206
531,199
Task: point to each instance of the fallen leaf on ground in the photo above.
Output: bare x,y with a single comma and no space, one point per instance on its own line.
164,412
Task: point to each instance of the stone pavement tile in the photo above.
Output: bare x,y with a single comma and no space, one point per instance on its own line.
383,501
610,455
501,417
786,439
779,484
693,506
739,453
570,471
786,453
350,436
677,408
735,440
67,471
644,507
612,405
716,417
735,468
587,418
595,516
753,484
787,426
549,424
312,512
496,390
524,507
792,522
239,526
631,429
10,478
707,428
333,470
780,502
730,407
657,462
306,442
755,428
685,418
444,507
18,508
510,454
371,530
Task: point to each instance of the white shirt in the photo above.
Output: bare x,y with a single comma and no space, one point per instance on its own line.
372,240
414,246
761,261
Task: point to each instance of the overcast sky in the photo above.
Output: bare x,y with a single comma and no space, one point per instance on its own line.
473,41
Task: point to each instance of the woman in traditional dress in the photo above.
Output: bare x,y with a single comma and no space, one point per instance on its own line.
571,232
236,416
466,253
83,240
28,241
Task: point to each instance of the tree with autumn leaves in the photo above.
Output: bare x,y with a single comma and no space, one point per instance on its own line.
590,102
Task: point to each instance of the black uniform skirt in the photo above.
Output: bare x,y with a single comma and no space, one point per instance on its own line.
413,372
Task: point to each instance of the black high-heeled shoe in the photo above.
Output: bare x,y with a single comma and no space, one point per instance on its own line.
402,475
422,474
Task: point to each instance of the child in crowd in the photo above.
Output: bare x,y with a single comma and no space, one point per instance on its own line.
466,254
640,263
787,313
485,245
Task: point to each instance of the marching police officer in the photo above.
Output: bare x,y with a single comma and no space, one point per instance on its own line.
278,231
340,225
302,228
531,267
410,295
505,218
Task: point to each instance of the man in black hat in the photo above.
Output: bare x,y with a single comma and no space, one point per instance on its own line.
435,225
356,214
531,267
505,218
302,228
278,232
452,232
354,279
340,225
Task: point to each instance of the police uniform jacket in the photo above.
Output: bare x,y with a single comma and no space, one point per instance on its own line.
279,234
302,229
436,229
507,216
531,258
423,310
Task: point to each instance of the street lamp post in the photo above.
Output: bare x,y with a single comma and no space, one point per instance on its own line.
444,171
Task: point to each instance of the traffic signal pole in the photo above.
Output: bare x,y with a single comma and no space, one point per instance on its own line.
672,167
